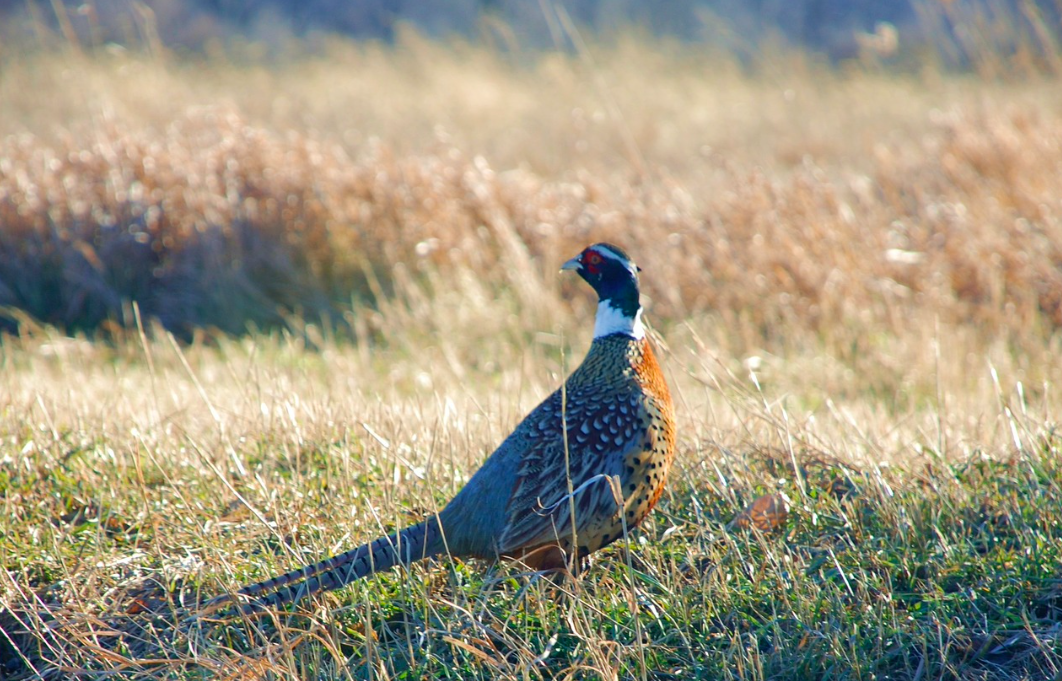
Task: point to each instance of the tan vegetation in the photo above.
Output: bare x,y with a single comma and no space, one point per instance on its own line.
857,277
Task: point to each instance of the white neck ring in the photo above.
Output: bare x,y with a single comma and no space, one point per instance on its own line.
612,320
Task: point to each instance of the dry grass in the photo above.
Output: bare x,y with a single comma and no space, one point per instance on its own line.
226,195
857,278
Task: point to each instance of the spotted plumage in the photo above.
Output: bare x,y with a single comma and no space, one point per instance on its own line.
613,450
596,451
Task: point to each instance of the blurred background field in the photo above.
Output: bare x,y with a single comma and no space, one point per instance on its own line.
217,194
268,291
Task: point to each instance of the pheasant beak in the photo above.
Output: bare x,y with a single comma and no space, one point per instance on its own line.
573,264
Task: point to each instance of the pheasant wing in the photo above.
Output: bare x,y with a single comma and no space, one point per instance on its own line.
601,436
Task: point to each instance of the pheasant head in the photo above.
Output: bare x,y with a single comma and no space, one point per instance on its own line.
614,276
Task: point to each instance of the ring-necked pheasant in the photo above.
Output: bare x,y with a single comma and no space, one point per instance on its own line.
607,434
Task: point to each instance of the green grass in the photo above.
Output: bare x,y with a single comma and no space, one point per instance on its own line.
894,561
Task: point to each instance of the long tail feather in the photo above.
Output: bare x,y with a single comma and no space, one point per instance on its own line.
401,548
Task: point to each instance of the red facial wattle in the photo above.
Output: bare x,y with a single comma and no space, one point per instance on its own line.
592,261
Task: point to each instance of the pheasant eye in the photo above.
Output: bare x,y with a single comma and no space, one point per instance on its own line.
592,260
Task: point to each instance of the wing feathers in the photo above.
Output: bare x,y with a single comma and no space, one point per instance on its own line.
600,437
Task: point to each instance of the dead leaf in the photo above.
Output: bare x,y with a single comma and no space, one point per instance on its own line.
766,514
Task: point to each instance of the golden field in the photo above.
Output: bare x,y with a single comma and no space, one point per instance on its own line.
855,277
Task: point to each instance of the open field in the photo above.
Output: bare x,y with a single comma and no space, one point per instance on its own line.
856,279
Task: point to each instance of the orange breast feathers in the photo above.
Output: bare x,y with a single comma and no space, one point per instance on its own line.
652,377
663,437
